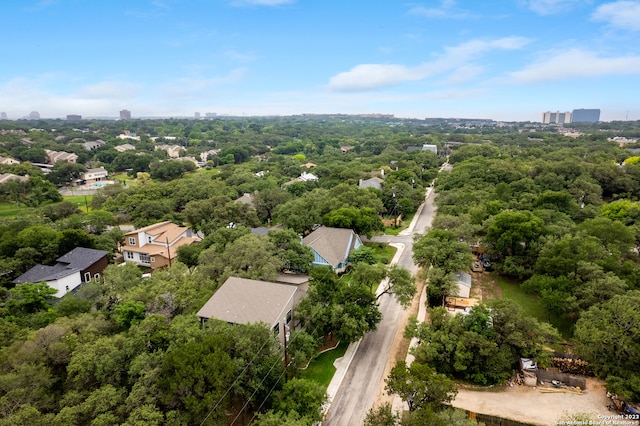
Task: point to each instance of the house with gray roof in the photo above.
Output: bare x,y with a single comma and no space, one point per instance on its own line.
90,146
245,301
78,266
374,182
332,246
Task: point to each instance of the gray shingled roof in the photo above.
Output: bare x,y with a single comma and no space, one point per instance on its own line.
78,259
41,273
245,301
81,258
333,244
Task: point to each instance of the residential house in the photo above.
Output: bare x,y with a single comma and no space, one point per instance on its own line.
304,177
374,182
95,175
90,146
6,177
346,148
129,135
55,156
125,147
309,165
425,147
173,151
245,301
8,160
332,246
156,245
247,199
204,156
78,266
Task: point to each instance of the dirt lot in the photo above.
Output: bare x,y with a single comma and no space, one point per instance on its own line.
528,404
518,402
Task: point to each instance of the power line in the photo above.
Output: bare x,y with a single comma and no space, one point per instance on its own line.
267,397
255,391
234,382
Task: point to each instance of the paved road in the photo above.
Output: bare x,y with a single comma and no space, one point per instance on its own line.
359,384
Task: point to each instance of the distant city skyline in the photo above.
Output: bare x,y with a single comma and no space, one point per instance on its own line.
500,60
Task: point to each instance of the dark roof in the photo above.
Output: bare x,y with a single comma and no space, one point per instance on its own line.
41,273
81,258
78,259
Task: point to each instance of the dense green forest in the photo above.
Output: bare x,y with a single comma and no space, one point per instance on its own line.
558,215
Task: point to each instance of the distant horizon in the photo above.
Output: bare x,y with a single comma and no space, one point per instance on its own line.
362,115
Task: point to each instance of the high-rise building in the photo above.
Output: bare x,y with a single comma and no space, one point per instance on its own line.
74,117
210,114
196,115
556,117
34,115
3,115
586,115
125,114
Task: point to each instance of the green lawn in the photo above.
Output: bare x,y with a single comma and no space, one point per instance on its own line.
406,221
384,252
10,209
321,369
82,201
530,303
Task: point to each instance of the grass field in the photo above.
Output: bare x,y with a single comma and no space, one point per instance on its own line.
531,304
11,210
321,369
82,201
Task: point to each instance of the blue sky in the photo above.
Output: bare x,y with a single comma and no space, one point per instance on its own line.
505,60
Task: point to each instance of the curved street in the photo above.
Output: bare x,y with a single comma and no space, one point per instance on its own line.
354,387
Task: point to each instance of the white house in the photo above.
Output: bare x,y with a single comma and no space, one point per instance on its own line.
95,175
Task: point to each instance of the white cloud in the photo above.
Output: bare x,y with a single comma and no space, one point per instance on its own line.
576,63
623,14
550,7
199,87
464,73
108,90
446,9
365,77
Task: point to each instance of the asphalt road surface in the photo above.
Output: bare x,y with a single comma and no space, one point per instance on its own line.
358,389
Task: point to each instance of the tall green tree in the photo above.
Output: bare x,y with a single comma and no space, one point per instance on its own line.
420,386
608,336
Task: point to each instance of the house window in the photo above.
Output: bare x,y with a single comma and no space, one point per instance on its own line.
66,288
289,317
153,259
129,254
144,258
96,277
276,329
149,239
132,241
87,277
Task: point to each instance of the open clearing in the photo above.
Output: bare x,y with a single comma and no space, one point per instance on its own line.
530,405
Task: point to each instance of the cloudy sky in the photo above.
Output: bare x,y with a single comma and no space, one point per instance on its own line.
505,60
